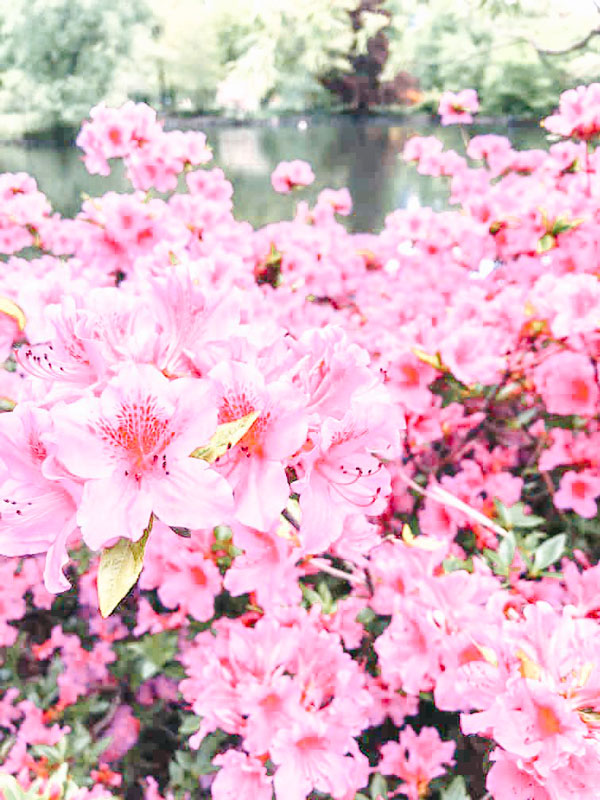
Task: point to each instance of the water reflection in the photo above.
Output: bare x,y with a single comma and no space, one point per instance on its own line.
362,155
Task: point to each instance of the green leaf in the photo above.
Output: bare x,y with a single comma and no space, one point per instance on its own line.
506,550
365,616
515,516
11,309
454,564
378,787
225,437
328,604
562,225
434,361
546,243
549,552
120,567
310,596
51,754
189,725
457,790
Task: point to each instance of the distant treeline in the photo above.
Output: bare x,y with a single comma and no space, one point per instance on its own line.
60,57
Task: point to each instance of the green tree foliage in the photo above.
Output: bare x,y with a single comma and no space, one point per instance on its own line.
247,55
60,56
519,55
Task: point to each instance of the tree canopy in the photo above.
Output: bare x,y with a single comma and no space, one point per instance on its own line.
60,56
245,56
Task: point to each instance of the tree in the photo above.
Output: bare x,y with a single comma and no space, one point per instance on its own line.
61,55
363,85
518,55
245,55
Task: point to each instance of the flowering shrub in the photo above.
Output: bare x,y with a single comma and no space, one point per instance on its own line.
295,512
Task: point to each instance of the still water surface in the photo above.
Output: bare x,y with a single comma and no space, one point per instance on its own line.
363,155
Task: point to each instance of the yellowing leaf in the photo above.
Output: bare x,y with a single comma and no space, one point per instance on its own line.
13,310
590,717
434,361
422,542
119,569
487,653
407,535
528,668
225,437
546,243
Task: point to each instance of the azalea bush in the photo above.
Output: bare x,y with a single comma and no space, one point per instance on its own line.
294,512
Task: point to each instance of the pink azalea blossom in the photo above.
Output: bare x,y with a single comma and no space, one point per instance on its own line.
458,107
38,508
578,113
131,448
341,478
567,384
123,733
258,461
240,775
289,174
311,755
417,758
578,491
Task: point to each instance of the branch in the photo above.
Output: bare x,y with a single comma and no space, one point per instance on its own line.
325,566
445,498
579,45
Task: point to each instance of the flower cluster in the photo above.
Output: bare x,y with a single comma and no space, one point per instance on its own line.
457,107
357,476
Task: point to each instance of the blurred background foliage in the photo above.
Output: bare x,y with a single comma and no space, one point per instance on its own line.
262,57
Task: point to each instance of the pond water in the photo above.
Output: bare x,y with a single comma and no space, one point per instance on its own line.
363,155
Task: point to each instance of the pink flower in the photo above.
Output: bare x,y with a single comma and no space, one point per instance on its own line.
417,759
255,467
184,575
474,354
578,491
411,378
458,107
289,174
267,567
409,649
123,731
116,133
532,722
342,478
32,730
567,384
240,776
130,447
509,779
37,509
312,755
338,200
578,113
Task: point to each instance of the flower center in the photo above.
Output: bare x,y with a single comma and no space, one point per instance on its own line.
139,430
548,721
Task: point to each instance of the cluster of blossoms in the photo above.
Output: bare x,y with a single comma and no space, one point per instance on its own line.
458,107
400,531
